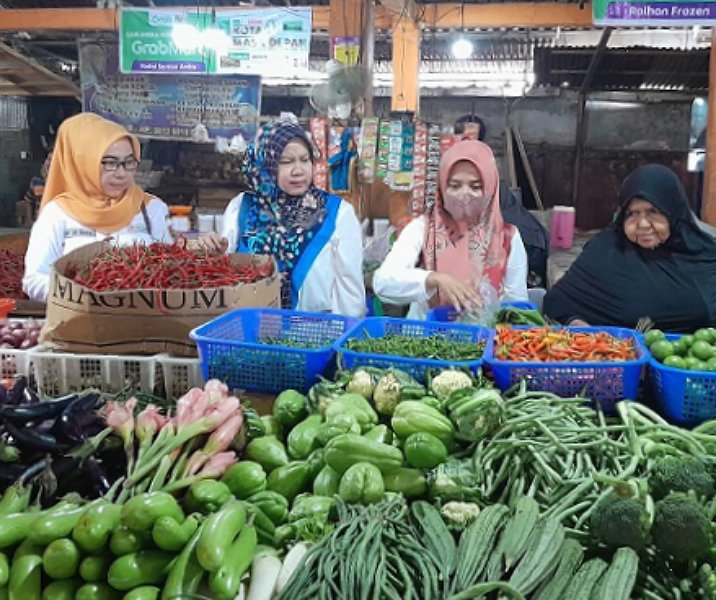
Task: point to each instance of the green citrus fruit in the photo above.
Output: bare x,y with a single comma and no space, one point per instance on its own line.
702,350
653,335
675,361
661,349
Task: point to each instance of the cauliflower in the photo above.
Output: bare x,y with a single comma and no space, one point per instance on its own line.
386,394
361,383
459,515
448,381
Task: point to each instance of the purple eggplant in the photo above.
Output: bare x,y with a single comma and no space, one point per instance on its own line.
14,394
78,419
25,437
37,410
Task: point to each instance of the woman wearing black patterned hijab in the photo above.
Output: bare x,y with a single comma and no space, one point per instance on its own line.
314,236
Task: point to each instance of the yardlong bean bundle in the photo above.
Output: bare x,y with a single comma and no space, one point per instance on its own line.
434,347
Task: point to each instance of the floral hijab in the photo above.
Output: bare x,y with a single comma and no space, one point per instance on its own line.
276,223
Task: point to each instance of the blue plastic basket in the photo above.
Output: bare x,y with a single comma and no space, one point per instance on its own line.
377,327
230,348
685,397
448,314
603,382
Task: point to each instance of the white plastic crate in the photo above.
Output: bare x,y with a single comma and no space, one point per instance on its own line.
58,373
179,374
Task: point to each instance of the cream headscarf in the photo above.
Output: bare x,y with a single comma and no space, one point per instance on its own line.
74,177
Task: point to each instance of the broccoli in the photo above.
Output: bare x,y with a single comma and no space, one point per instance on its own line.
681,527
621,521
680,474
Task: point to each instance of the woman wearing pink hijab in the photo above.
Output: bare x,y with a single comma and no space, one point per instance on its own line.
450,256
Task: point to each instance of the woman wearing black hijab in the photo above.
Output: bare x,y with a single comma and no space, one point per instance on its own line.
654,261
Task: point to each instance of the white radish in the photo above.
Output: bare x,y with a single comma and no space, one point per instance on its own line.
290,564
264,573
242,592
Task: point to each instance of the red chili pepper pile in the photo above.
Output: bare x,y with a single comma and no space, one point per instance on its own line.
163,266
12,268
554,345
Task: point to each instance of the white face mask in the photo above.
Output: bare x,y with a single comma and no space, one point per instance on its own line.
465,206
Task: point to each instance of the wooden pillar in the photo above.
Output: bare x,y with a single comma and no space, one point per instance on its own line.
346,20
406,65
708,203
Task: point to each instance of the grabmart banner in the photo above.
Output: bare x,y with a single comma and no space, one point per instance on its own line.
653,12
262,40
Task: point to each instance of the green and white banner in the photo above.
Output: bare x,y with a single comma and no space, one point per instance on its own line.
657,13
253,41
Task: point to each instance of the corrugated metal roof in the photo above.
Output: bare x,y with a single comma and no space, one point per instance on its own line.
624,68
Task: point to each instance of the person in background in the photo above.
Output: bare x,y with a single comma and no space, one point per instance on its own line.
534,235
30,203
314,236
447,257
90,195
654,261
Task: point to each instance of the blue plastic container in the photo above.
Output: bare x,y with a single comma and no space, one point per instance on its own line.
685,397
230,348
378,327
603,382
448,314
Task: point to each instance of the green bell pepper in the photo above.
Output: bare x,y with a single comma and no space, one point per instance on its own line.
337,425
309,506
291,479
207,496
412,483
345,450
268,451
317,462
357,406
380,433
302,439
362,483
290,407
245,479
326,482
424,451
432,402
412,416
273,505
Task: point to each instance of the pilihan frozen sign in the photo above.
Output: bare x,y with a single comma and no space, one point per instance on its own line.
654,12
254,41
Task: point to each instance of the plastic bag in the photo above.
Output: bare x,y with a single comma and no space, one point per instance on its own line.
486,314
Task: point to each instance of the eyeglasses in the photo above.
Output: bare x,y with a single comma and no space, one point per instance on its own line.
129,164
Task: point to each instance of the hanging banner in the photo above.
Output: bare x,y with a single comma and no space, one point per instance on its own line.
167,107
659,13
228,41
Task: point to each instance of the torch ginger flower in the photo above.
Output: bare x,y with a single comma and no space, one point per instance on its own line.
217,465
120,417
219,441
149,421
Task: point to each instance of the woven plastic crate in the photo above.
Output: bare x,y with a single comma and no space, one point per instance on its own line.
377,327
179,374
58,373
231,348
603,382
448,314
685,397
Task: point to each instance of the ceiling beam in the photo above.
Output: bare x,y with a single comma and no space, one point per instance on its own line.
47,77
452,15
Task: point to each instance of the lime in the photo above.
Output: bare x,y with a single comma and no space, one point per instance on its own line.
702,350
711,364
688,340
661,349
712,334
702,334
653,335
695,365
681,348
675,361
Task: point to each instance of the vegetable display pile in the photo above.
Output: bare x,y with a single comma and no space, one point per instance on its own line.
434,347
162,266
555,345
12,269
18,334
694,352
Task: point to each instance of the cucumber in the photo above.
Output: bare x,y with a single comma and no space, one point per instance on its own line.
585,580
571,555
618,581
541,557
218,533
476,544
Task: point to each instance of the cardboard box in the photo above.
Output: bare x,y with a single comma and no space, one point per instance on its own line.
140,321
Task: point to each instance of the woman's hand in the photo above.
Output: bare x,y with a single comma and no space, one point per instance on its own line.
213,242
460,294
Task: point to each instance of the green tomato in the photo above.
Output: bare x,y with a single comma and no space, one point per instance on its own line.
661,349
711,364
694,364
653,335
677,362
702,334
702,350
688,340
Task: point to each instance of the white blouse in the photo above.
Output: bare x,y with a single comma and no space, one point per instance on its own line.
334,283
55,234
399,281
